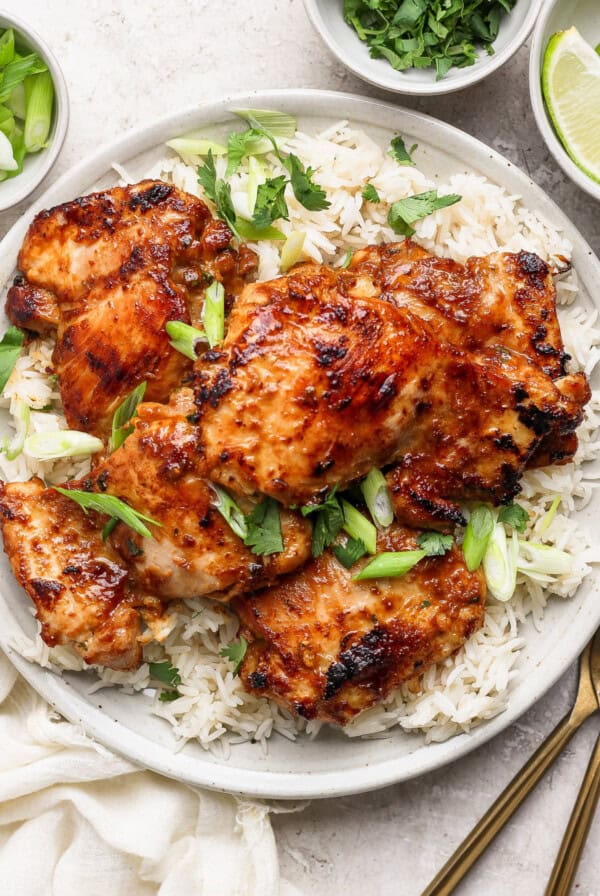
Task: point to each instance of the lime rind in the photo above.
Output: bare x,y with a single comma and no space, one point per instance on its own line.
560,46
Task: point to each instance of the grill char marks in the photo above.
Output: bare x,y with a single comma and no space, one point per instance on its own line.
107,272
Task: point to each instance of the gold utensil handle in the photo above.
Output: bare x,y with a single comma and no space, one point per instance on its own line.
498,814
576,833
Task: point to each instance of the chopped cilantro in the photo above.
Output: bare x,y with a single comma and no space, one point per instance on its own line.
168,696
270,202
207,177
435,543
400,153
165,672
307,192
264,528
427,33
370,194
404,212
328,523
235,653
514,515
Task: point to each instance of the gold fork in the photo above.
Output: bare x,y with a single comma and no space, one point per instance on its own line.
587,702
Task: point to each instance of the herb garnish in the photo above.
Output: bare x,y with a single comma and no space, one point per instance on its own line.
400,153
270,202
427,33
370,194
514,515
405,212
235,653
111,506
165,672
328,523
349,553
435,543
264,528
10,349
121,425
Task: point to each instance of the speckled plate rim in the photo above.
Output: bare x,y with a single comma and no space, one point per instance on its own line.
540,676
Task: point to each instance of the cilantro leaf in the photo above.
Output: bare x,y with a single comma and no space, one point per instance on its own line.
240,145
370,194
168,696
514,515
350,552
207,177
121,426
405,212
435,543
307,192
270,202
328,523
10,349
235,653
165,672
400,153
264,528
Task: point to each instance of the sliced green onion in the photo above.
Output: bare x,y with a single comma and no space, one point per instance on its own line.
16,72
213,315
229,510
7,123
549,516
10,349
256,176
7,158
191,145
112,507
7,46
13,447
63,443
543,559
347,259
38,117
121,425
477,535
246,230
278,124
390,564
16,102
378,499
500,563
359,527
292,250
185,338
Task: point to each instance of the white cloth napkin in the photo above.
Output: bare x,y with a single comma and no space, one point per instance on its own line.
75,819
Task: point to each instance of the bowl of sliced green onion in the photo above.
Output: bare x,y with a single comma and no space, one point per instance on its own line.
34,110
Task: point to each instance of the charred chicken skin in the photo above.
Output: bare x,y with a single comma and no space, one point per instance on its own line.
107,272
452,378
328,647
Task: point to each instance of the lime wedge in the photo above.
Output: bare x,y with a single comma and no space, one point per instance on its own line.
571,86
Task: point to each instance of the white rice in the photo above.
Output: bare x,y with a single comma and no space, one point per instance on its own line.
473,685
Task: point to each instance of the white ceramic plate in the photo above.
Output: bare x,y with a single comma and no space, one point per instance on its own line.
332,764
327,17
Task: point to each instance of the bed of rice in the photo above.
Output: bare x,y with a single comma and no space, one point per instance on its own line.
473,685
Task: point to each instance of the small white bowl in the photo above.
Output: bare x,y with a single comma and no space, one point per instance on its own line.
328,19
37,165
559,15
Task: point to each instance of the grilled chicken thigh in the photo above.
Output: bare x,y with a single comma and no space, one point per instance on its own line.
328,647
326,374
159,470
107,272
79,584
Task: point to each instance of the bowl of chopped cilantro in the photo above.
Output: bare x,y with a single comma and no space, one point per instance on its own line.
423,46
34,110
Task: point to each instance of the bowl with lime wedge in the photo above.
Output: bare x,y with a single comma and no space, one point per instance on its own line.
34,110
564,81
